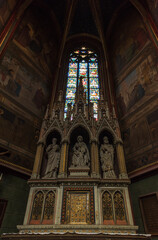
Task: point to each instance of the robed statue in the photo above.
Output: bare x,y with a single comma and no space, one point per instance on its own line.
107,159
53,152
80,157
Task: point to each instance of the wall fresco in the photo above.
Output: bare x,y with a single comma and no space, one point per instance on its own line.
153,7
152,119
16,160
135,70
34,37
148,157
6,8
16,130
19,81
136,137
128,39
140,84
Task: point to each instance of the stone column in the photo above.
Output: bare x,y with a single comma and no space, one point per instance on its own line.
38,161
94,159
63,159
121,160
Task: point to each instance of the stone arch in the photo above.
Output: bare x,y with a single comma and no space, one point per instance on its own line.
51,130
110,131
82,125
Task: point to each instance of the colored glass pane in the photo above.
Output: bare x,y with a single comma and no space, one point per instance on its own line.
93,65
92,59
94,83
83,65
72,72
94,94
84,82
71,82
83,72
73,59
83,62
70,93
96,116
72,65
93,72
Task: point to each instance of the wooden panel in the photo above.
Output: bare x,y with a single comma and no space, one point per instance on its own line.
149,208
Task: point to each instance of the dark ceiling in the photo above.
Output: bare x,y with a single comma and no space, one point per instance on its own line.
83,20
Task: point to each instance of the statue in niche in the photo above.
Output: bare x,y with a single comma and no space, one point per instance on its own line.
80,157
53,152
107,159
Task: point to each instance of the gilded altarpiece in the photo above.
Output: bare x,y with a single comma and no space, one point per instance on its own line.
78,206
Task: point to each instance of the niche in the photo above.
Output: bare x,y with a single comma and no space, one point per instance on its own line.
79,153
49,141
107,155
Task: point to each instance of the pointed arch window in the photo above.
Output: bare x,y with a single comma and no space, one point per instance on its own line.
83,62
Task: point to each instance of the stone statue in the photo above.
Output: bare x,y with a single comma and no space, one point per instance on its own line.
53,152
107,159
80,156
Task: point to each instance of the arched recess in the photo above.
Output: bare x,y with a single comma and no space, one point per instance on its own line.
107,208
49,205
105,132
54,133
119,206
78,131
37,207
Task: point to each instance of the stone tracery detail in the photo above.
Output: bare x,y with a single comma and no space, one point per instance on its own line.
49,207
37,207
119,208
108,217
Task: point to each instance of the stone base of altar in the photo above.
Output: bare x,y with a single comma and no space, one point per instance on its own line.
70,236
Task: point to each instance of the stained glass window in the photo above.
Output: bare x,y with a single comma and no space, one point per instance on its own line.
83,62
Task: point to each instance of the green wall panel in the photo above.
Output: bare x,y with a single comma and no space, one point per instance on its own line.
15,190
138,189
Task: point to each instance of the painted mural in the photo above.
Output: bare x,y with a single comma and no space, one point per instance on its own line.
153,7
135,70
129,38
136,137
138,86
34,37
17,131
16,160
152,119
21,82
6,8
148,157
